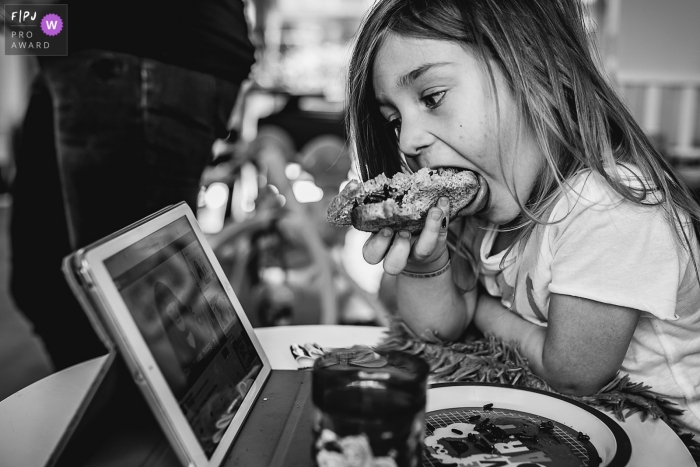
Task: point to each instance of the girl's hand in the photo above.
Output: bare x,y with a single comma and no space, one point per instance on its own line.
425,253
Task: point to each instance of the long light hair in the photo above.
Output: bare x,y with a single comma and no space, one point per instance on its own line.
543,51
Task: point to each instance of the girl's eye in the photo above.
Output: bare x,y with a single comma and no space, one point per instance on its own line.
433,100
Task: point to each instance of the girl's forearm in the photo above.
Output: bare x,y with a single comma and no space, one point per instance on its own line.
577,374
433,306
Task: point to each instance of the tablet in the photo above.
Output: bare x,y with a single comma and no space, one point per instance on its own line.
155,293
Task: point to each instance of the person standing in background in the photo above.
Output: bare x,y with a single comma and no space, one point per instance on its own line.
121,127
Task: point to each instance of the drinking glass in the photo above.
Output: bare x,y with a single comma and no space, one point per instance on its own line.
369,408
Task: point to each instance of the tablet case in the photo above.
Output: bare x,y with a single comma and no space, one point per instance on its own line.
120,429
114,414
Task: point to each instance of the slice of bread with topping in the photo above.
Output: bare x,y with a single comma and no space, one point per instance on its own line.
401,202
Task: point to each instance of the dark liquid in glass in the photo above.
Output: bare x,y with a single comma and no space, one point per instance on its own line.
378,414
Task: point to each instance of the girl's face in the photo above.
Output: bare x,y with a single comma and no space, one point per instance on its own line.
437,97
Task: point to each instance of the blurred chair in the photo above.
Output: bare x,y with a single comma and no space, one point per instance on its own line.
281,260
306,117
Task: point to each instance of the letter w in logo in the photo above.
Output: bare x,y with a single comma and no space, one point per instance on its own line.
51,24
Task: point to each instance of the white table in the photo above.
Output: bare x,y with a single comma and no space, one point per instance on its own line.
33,419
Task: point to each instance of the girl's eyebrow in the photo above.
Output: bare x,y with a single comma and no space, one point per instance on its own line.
409,78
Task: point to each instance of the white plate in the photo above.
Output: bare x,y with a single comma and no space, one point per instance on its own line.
611,441
652,442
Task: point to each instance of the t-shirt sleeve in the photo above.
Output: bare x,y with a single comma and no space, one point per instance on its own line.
619,253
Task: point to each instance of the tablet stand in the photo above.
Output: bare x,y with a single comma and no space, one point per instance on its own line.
114,425
112,411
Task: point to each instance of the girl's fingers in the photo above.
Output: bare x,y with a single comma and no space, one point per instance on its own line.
377,245
434,233
392,249
397,256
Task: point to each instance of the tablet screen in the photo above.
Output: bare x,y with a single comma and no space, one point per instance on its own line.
190,326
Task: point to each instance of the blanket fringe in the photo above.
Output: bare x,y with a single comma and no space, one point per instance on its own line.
489,360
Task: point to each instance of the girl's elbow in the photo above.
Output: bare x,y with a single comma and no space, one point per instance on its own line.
575,381
446,330
449,334
443,333
576,387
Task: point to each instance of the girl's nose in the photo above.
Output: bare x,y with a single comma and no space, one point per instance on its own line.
414,138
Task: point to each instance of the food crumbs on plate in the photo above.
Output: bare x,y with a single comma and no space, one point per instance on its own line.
482,425
264,398
474,418
582,437
456,431
488,406
547,426
497,433
529,437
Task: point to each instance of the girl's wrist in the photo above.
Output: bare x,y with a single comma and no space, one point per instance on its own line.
425,275
428,268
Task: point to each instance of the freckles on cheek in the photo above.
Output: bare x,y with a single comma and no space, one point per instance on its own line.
475,139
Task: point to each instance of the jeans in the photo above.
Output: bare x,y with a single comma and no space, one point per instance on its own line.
108,139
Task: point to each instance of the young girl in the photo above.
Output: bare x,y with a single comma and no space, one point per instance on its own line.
582,238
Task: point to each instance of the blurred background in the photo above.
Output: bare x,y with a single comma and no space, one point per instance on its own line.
263,198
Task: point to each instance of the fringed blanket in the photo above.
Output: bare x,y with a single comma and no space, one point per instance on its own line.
488,360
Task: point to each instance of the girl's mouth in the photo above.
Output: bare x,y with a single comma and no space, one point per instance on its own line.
481,201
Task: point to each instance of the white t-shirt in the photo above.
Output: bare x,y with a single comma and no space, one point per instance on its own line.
601,247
